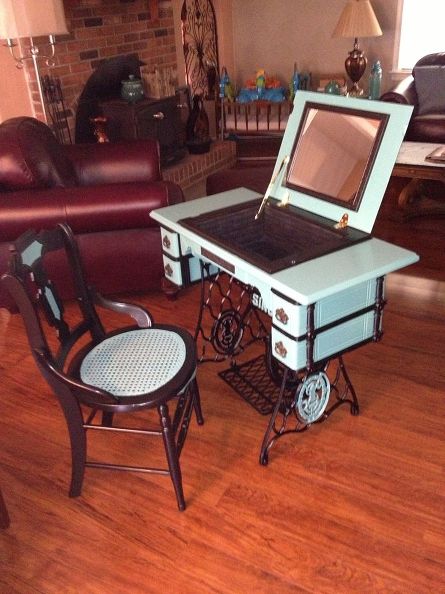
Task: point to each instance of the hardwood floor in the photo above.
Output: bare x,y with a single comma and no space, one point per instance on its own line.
356,504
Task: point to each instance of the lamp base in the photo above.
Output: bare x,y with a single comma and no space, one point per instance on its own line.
355,66
355,91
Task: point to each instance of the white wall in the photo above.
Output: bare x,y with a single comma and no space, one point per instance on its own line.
273,34
14,98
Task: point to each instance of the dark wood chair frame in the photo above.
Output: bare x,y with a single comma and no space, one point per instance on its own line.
29,283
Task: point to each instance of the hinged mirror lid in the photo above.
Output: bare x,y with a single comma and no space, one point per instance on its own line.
340,153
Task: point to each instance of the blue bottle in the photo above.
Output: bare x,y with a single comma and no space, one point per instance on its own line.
294,82
223,81
375,80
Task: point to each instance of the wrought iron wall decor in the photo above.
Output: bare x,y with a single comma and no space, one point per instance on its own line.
199,43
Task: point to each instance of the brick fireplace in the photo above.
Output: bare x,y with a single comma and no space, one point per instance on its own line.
101,29
104,29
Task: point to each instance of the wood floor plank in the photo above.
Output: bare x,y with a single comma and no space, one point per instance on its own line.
353,505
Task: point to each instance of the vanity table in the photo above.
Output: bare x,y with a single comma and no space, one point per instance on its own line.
303,254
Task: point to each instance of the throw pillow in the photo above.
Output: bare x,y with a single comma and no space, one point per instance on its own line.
430,87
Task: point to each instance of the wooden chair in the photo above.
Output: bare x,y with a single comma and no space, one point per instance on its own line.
124,371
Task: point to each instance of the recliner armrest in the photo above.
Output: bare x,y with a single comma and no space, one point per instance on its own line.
404,92
86,209
25,209
115,162
113,207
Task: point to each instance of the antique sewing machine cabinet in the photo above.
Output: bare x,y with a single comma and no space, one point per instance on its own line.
304,252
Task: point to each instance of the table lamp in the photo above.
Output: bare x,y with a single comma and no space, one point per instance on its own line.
28,19
357,20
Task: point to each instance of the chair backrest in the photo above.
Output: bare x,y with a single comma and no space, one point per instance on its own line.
437,59
31,157
429,81
35,293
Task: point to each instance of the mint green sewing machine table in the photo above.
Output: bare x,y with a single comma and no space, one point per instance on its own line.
342,293
321,305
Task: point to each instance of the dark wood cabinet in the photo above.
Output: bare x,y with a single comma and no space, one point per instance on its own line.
148,118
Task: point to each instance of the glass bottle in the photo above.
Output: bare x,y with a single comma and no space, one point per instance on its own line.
375,80
223,81
294,83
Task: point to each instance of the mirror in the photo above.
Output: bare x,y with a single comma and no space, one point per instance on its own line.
333,153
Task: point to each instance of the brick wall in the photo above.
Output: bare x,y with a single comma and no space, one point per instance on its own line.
194,169
101,29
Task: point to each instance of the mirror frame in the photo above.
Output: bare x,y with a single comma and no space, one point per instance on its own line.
382,118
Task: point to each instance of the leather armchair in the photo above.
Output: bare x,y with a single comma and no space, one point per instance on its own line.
104,192
424,127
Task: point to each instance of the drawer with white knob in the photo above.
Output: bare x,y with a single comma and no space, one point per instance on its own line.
291,317
172,270
170,243
330,342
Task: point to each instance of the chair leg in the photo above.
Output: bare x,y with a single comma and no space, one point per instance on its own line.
74,419
107,419
197,401
172,454
4,516
181,431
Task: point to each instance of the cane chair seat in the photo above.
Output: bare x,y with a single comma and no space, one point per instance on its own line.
135,362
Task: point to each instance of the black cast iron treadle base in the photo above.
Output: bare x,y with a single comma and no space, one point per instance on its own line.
252,381
297,413
294,400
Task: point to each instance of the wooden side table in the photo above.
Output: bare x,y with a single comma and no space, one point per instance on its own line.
425,191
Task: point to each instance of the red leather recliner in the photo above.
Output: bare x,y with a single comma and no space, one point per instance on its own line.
104,192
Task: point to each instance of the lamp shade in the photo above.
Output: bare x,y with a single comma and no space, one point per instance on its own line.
357,20
31,18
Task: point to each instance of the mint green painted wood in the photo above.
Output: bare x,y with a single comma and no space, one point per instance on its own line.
364,219
330,342
306,283
327,310
339,284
